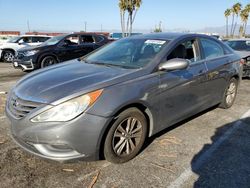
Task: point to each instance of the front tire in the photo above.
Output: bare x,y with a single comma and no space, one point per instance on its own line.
230,94
8,56
47,61
126,136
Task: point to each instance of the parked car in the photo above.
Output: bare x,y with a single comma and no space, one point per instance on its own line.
242,47
9,48
58,49
110,101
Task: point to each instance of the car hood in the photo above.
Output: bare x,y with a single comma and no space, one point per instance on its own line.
69,79
243,54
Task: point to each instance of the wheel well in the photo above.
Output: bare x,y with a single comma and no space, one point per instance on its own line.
140,107
8,49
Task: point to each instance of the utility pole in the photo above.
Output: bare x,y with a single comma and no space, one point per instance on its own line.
28,25
85,24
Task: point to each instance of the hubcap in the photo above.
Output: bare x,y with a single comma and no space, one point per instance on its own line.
127,136
8,56
231,93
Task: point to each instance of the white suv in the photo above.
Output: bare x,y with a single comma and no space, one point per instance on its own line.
9,48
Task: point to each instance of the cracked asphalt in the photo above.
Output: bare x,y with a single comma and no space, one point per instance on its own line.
211,149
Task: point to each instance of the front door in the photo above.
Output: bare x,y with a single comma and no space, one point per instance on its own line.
182,91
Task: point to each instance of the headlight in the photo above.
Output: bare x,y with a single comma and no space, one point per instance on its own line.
30,53
68,110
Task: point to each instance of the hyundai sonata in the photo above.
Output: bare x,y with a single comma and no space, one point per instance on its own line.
108,102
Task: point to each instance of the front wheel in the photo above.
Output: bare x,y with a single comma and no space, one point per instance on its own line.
126,136
8,56
47,61
230,94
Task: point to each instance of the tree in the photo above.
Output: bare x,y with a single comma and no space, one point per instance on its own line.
158,29
244,18
227,13
235,10
130,7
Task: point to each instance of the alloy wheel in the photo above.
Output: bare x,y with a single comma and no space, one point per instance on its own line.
8,56
127,136
231,93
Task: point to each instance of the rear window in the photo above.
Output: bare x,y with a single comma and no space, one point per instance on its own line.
239,45
39,39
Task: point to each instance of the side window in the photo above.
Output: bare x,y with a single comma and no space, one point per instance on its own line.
25,40
87,39
43,39
211,49
35,39
186,50
98,39
72,40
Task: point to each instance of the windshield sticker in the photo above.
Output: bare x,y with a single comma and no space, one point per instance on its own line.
161,42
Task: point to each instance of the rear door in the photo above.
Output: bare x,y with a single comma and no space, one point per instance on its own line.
87,44
218,65
182,91
69,48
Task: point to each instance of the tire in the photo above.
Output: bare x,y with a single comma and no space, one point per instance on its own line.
47,61
126,136
8,56
230,94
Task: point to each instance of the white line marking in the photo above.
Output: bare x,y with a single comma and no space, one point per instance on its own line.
203,158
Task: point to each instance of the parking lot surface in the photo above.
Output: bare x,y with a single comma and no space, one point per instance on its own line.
211,149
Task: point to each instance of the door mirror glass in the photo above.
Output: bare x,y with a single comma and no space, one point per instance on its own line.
174,64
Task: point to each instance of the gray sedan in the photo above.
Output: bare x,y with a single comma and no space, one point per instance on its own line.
108,102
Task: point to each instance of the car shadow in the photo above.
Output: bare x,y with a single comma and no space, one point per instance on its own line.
226,161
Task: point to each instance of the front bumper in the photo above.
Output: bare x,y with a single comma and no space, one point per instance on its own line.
24,65
60,141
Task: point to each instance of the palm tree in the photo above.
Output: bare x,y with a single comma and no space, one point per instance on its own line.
244,18
235,10
247,9
131,7
123,8
227,13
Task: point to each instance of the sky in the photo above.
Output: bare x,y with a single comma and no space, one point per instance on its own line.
71,15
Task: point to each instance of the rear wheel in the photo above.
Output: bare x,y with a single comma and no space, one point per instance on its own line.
230,94
126,136
47,61
8,56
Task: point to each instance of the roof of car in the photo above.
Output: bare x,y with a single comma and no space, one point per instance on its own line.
35,36
241,39
167,36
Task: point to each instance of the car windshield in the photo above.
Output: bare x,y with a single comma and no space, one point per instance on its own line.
127,53
239,45
13,39
53,40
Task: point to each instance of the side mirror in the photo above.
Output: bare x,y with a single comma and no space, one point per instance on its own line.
20,42
174,64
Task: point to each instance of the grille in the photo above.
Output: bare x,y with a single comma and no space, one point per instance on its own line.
20,108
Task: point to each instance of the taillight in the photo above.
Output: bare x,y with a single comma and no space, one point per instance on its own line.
242,61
